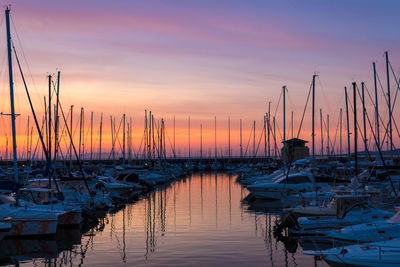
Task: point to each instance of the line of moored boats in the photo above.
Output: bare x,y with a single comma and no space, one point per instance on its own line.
343,218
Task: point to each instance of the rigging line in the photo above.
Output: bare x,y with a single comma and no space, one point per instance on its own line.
248,142
358,124
383,92
169,140
304,111
397,89
115,139
24,56
75,152
259,141
277,106
324,94
379,116
380,154
335,136
359,128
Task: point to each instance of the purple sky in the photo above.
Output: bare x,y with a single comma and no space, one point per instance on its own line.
203,58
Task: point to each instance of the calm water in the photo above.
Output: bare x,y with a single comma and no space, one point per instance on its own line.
196,221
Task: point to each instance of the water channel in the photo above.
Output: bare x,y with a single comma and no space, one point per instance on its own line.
197,221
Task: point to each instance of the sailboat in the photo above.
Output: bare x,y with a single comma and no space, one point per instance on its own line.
24,220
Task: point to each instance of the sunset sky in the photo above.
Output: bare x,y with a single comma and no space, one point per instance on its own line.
201,59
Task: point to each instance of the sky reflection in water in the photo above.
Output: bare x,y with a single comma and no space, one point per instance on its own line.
198,221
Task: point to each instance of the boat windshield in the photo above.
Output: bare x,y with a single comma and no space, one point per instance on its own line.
295,180
6,199
395,218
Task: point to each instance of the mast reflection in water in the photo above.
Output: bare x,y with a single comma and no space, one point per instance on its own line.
197,221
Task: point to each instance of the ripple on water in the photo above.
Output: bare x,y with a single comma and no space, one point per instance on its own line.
199,221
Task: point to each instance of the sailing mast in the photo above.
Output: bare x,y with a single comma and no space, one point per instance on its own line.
229,137
201,141
123,142
49,133
56,123
313,116
101,133
269,127
91,136
378,143
355,128
348,123
189,136
284,125
364,113
215,138
10,75
70,142
322,134
254,139
389,103
241,141
327,138
340,133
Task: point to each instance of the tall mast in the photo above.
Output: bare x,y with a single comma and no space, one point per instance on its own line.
215,138
80,134
101,133
313,116
70,141
389,103
189,135
322,134
355,128
83,133
123,141
146,139
130,139
241,141
56,123
10,75
174,139
149,137
201,141
265,136
254,139
340,133
274,137
376,109
348,123
49,133
364,121
291,122
229,137
284,126
268,126
327,140
91,136
27,142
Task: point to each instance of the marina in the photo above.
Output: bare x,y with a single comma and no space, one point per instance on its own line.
167,227
134,172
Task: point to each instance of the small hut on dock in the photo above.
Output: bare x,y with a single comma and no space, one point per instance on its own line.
295,149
